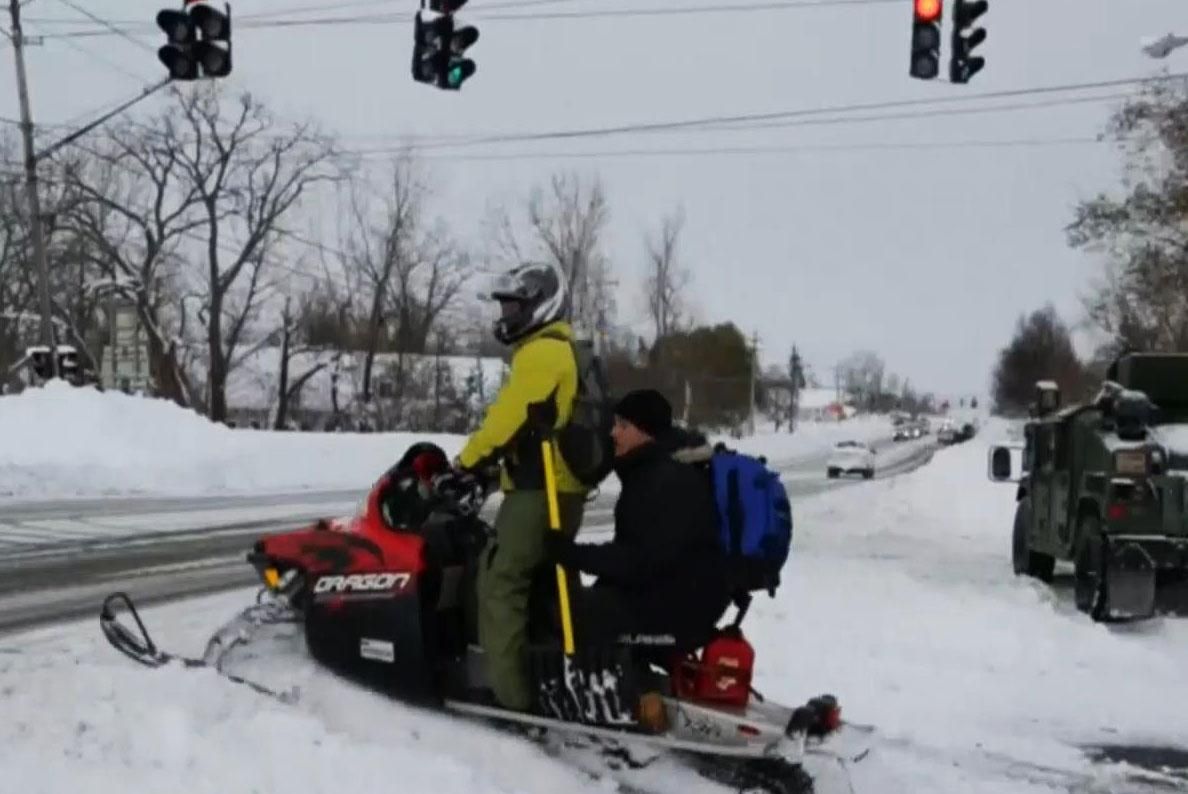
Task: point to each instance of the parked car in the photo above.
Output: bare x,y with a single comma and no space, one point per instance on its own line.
851,457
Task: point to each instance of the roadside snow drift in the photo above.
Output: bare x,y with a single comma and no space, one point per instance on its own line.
63,442
899,598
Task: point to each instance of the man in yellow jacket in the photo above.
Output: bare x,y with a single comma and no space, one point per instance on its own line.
533,301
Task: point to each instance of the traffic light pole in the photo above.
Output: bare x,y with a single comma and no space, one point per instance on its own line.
31,190
108,116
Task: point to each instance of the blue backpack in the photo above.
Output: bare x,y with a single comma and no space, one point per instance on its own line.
754,519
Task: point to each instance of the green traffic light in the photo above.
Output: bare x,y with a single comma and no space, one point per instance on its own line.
458,72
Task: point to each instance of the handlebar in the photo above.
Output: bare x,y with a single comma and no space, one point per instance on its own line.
466,491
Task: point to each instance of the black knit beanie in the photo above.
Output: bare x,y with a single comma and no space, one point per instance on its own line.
648,410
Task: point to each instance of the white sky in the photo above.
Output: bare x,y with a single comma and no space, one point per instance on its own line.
926,256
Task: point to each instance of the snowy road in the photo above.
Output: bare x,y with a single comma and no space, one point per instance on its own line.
168,548
898,598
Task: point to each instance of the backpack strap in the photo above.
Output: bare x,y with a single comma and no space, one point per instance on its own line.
741,600
734,511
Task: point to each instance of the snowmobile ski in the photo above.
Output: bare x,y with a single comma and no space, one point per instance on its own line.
139,645
796,741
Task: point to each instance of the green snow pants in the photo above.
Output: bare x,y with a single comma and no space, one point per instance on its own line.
506,570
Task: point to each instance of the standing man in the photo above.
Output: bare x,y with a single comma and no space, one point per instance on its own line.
533,302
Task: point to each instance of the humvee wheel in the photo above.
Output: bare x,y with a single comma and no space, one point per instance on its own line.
1089,562
1025,561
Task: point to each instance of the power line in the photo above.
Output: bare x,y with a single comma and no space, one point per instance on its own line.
926,114
803,122
285,13
790,149
106,24
87,51
685,124
261,23
804,117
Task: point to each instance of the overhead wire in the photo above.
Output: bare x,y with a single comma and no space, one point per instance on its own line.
127,25
831,115
839,120
719,151
262,23
797,113
103,59
108,25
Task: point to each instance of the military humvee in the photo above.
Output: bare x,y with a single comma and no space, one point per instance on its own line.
1103,486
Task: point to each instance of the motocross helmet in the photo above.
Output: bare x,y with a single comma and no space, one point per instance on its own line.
530,297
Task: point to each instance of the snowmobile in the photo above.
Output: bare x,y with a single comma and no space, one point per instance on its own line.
386,598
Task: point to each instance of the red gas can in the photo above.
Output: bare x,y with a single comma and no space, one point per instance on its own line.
723,673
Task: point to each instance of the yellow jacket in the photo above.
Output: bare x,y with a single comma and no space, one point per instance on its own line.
539,366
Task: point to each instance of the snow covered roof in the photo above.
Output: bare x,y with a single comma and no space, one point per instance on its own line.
253,385
811,399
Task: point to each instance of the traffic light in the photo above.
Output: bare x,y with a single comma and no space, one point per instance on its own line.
961,65
199,40
439,47
926,38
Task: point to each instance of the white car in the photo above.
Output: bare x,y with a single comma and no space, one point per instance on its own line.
851,457
947,433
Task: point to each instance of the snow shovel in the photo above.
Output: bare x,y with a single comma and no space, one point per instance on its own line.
542,416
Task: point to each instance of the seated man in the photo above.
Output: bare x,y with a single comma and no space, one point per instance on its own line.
661,581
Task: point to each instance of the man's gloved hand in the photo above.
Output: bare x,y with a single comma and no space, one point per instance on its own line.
558,549
465,488
487,474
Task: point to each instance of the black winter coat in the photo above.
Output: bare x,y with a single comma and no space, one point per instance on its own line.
665,557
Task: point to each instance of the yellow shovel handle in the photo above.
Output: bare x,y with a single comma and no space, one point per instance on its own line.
546,453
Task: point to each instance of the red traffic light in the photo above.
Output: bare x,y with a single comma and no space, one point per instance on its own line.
928,10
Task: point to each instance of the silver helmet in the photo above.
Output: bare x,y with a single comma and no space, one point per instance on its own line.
531,296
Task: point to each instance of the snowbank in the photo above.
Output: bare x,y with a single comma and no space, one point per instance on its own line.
900,598
79,717
62,442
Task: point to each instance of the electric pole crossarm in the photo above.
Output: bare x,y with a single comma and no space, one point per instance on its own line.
74,136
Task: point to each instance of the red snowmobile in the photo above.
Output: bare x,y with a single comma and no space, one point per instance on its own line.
386,598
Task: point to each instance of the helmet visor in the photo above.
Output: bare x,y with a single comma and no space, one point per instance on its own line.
506,287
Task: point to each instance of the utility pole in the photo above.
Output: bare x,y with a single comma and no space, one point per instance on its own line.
754,377
31,189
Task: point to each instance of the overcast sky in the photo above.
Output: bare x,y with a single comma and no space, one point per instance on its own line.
850,235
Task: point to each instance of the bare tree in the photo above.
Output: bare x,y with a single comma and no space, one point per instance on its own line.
288,387
666,281
566,223
426,286
862,377
247,172
406,270
133,209
1142,303
377,247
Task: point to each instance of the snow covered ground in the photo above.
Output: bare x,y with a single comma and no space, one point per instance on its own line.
65,442
898,598
61,441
